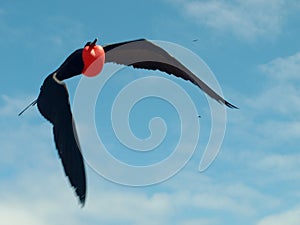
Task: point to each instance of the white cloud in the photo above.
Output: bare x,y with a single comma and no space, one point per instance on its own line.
133,207
11,106
22,140
247,19
279,166
201,222
283,68
290,217
265,132
280,96
34,190
288,161
270,118
272,130
276,98
14,215
230,197
45,198
281,93
39,192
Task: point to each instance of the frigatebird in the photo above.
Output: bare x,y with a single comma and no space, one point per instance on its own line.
53,100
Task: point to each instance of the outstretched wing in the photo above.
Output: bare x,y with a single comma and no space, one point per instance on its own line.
53,103
144,54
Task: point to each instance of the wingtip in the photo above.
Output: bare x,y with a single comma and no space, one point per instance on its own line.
82,201
230,105
81,195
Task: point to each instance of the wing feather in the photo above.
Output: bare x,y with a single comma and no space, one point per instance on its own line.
144,54
53,104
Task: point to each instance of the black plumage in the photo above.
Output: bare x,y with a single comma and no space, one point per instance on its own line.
53,103
145,54
53,100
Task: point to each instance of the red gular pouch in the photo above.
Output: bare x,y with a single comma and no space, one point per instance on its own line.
93,58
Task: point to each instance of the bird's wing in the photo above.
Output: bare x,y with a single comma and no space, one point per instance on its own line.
144,54
53,103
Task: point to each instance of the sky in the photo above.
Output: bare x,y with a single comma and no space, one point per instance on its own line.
252,49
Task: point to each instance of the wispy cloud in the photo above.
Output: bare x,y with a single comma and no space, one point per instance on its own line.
289,217
269,124
245,19
283,166
283,68
32,180
11,106
38,184
110,204
201,221
281,93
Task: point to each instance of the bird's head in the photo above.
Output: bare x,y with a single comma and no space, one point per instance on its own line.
93,57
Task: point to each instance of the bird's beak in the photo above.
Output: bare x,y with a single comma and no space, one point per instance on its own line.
94,42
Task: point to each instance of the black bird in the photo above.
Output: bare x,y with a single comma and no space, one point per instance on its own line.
53,100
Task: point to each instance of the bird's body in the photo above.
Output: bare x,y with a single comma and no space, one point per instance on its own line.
53,100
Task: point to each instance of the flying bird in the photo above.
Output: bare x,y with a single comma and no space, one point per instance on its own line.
53,99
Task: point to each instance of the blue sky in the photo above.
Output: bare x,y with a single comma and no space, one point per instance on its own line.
252,48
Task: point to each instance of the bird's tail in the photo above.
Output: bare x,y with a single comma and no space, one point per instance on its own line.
31,104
